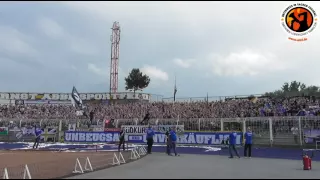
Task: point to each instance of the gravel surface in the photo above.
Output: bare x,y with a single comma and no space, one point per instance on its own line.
48,164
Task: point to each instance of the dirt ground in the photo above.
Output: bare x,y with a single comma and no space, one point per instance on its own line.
52,164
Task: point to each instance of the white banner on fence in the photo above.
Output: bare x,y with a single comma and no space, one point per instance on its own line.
138,130
165,128
313,107
134,130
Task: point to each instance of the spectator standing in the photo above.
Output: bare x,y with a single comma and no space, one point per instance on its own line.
173,139
232,144
295,132
37,132
248,143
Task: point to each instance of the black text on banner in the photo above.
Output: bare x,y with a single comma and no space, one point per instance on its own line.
134,130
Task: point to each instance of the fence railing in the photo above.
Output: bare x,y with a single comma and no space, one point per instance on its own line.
267,130
294,130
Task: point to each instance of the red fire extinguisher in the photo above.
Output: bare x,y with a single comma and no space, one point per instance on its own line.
307,161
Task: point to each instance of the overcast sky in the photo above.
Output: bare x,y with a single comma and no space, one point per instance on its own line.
223,48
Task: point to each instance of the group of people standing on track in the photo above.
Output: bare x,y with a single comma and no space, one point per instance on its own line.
171,138
171,141
247,144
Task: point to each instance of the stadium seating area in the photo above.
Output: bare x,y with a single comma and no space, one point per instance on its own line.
200,109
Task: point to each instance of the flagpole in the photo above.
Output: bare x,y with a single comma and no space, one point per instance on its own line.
174,91
175,88
207,98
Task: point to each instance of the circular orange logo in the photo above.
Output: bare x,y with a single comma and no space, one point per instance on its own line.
299,19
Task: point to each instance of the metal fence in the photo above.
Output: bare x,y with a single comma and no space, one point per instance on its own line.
207,98
279,131
267,130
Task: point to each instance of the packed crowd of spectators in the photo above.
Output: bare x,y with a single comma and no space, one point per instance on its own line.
187,112
164,110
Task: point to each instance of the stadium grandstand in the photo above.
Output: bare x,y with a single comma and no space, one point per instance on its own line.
50,105
129,110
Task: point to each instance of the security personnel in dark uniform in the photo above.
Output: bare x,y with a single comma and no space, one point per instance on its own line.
121,140
168,142
37,132
150,134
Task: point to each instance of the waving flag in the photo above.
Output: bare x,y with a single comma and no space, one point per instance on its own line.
254,99
267,106
262,112
281,109
76,98
77,102
175,90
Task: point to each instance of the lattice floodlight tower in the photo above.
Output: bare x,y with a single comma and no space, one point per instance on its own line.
115,42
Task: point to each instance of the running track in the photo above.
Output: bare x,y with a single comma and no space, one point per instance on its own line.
191,166
200,162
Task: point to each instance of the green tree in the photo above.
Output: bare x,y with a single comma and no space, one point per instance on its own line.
302,87
285,87
311,91
136,80
295,88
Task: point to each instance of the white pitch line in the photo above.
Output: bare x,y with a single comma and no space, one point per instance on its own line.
6,153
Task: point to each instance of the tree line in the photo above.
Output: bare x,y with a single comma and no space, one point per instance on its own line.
295,88
137,81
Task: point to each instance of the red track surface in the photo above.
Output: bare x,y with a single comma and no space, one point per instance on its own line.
49,164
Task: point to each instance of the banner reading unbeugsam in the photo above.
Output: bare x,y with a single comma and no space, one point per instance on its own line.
194,138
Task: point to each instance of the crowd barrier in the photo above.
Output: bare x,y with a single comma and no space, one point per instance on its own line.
267,130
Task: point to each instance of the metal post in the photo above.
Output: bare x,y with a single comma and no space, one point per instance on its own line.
60,125
60,132
270,131
221,125
199,127
300,131
244,128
